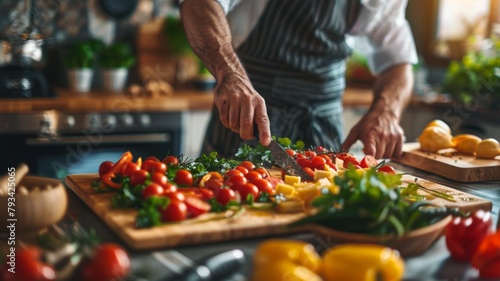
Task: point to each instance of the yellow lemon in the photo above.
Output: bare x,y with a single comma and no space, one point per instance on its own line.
434,138
488,148
440,123
466,143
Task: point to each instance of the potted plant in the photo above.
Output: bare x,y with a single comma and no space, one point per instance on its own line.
115,60
80,63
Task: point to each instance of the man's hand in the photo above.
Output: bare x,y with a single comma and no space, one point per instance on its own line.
381,135
241,108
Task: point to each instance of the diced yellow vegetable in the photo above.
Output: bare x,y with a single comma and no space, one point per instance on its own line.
319,174
285,189
291,206
291,180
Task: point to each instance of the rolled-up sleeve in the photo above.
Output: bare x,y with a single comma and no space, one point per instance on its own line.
383,34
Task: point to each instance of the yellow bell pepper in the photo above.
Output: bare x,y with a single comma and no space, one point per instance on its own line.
281,259
362,262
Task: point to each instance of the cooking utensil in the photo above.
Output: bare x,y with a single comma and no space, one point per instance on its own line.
286,162
215,267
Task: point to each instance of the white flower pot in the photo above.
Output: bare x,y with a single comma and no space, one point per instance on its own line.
114,79
80,79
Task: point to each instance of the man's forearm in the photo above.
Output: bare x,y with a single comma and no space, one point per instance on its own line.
393,90
210,37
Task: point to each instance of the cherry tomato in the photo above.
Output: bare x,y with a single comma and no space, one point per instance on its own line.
152,158
300,155
309,171
326,157
248,164
263,172
368,161
225,195
235,181
350,160
109,262
253,175
29,267
138,177
264,185
291,152
214,185
105,167
129,168
171,160
304,162
233,172
176,196
154,166
153,189
196,206
206,193
183,178
387,169
169,187
318,162
310,153
175,211
246,189
242,169
159,178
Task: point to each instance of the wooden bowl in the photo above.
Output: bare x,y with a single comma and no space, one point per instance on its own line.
413,243
43,205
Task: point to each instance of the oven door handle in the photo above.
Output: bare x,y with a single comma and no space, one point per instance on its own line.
101,139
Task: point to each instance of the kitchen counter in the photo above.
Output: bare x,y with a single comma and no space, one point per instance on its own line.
161,264
100,101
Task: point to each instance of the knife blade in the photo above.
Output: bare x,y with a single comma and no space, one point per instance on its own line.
286,162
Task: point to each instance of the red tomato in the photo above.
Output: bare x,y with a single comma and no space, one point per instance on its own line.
154,166
153,189
246,189
326,157
196,206
105,167
225,195
310,153
387,169
253,175
169,187
152,158
248,164
109,262
343,155
463,235
138,177
368,161
235,181
350,160
290,152
29,267
333,166
159,178
263,172
233,172
318,162
214,185
486,258
176,196
206,193
242,169
309,171
175,211
304,162
264,185
183,178
170,160
129,168
300,155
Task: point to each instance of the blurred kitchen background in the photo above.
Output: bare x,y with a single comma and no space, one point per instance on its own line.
457,41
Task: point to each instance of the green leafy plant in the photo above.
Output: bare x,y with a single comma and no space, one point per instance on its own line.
80,55
117,55
176,37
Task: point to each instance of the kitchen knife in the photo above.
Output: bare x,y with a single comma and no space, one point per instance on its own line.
286,162
214,268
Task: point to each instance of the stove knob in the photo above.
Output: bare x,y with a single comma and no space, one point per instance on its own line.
93,121
145,120
128,120
70,121
109,122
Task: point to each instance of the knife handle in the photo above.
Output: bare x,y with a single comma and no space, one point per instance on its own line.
215,268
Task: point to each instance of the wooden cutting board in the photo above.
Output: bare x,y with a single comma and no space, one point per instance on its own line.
450,164
248,225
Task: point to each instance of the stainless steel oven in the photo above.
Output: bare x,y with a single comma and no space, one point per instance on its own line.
55,143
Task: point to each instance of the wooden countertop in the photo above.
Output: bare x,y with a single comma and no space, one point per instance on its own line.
100,101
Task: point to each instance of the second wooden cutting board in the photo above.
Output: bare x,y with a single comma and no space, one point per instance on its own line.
451,165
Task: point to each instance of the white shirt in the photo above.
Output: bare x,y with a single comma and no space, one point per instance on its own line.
381,30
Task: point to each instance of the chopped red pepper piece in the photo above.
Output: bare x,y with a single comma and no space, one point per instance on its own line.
487,257
107,178
464,234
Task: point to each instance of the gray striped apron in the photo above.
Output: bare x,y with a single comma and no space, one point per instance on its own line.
295,58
